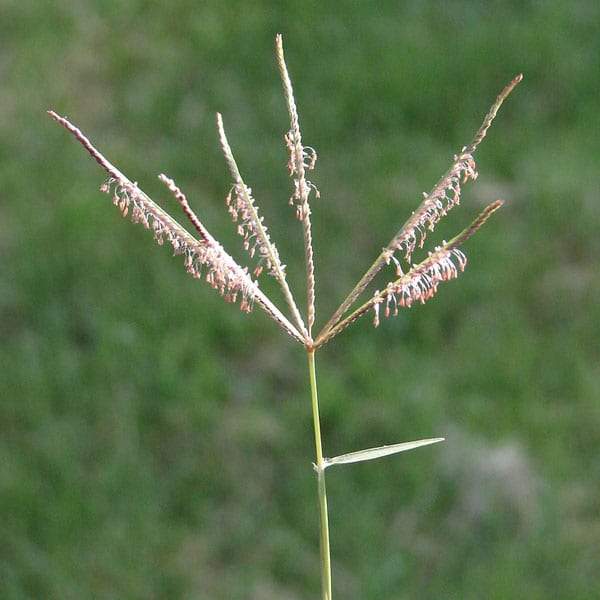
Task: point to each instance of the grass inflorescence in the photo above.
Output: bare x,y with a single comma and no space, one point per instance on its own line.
205,258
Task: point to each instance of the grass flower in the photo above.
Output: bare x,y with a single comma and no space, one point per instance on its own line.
204,258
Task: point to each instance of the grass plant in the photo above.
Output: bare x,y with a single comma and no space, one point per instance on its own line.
408,282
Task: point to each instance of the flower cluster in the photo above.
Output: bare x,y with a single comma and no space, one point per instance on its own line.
302,158
420,283
205,258
240,205
435,205
202,255
422,280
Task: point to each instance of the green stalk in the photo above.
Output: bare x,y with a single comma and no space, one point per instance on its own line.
320,468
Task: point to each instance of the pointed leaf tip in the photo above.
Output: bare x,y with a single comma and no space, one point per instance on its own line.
380,452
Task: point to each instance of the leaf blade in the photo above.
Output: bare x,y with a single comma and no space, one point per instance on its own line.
379,452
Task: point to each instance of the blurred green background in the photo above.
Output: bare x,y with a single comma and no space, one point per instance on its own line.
156,443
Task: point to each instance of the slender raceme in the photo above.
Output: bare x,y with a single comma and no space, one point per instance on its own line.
420,283
252,227
301,159
435,205
204,257
222,272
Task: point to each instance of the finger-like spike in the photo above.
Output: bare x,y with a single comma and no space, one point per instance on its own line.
421,282
301,159
435,205
222,272
242,205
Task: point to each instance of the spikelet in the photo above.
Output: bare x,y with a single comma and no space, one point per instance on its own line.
301,159
203,256
243,210
237,204
222,272
444,196
421,282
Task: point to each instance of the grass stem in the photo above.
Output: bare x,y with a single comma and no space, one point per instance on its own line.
322,490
